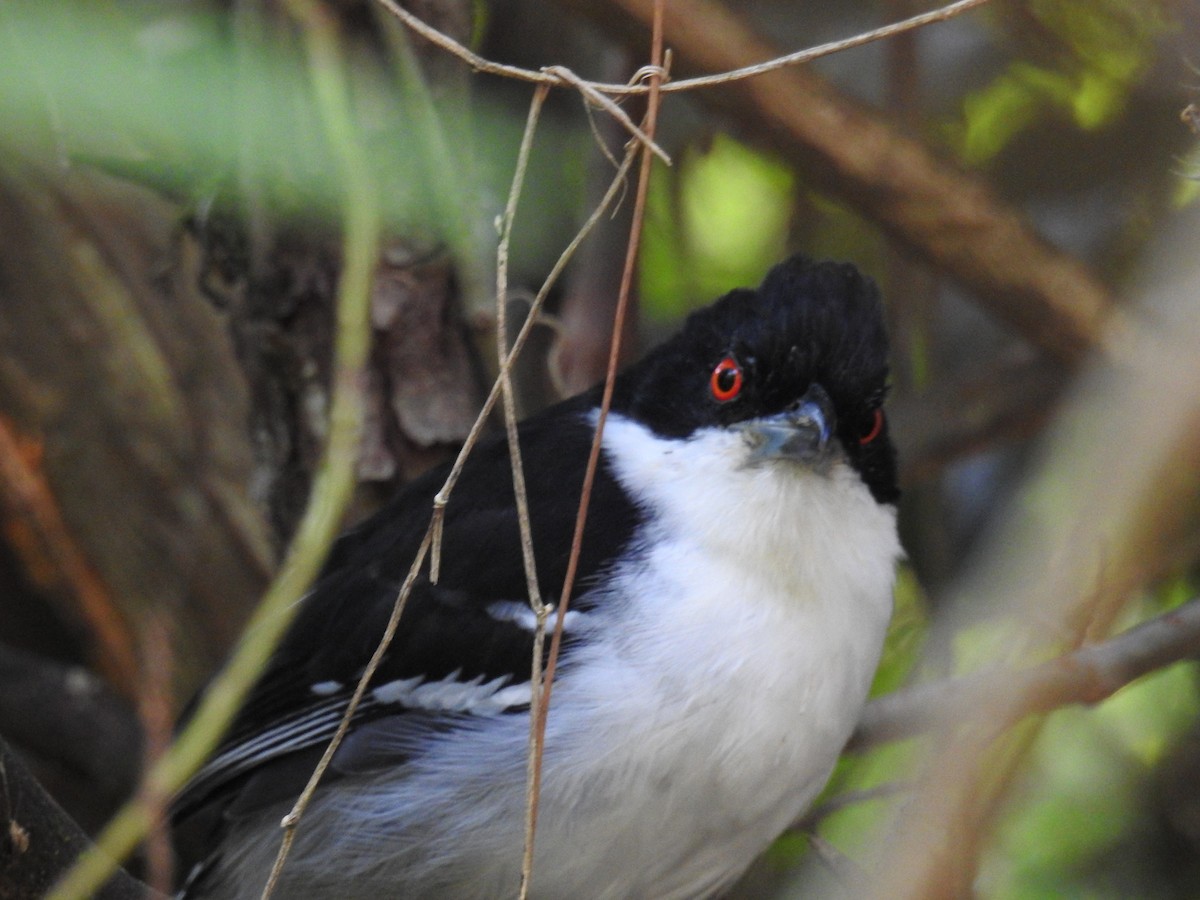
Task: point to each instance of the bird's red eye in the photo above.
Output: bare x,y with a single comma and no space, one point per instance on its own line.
726,382
873,431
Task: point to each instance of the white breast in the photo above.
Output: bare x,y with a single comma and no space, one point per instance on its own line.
715,711
737,648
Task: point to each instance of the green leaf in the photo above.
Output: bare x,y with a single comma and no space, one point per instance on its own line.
718,222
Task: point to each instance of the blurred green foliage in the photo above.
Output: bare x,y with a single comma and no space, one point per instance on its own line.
1091,57
718,220
1085,786
175,100
172,98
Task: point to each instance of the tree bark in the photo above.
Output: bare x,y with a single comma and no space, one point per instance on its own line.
123,445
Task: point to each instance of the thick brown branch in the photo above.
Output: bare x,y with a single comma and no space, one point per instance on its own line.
948,218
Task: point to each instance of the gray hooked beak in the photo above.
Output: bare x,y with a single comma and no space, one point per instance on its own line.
801,433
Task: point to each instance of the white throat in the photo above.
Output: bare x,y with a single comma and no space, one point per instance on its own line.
743,641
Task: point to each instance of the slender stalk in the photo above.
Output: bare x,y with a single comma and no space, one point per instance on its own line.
333,485
542,702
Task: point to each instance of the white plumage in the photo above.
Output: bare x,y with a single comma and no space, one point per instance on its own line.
722,678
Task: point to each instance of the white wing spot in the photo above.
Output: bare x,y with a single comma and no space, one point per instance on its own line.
397,691
452,694
522,616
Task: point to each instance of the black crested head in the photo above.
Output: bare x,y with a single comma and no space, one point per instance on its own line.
755,353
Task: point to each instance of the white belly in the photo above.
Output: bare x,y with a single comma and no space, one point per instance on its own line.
701,715
711,724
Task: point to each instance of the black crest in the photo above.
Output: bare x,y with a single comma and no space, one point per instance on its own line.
807,323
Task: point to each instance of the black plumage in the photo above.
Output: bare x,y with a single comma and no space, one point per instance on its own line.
807,323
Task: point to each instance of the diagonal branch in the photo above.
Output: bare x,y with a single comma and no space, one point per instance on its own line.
948,218
1088,675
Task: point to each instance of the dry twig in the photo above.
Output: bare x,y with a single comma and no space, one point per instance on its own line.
948,218
560,77
1088,675
656,75
541,698
432,535
540,610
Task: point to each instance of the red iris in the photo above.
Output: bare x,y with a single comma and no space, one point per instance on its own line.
727,379
876,426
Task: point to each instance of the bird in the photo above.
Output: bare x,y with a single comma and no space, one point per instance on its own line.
733,591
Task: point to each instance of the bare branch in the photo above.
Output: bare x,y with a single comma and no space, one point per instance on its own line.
292,820
1089,675
1091,524
552,76
803,56
595,92
635,232
540,610
590,93
558,76
946,217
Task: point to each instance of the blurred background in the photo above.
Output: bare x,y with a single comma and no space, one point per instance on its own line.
1021,181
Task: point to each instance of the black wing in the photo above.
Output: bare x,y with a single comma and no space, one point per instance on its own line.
466,629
